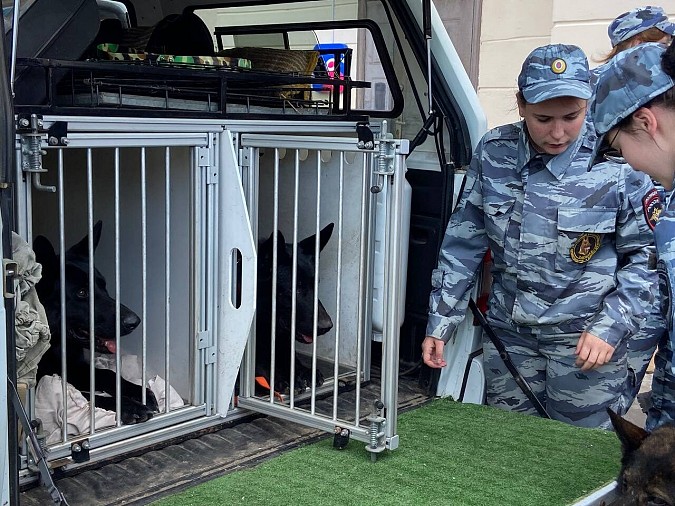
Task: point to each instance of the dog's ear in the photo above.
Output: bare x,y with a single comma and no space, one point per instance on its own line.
46,256
307,244
81,249
630,435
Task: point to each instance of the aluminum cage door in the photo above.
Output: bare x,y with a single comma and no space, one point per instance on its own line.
294,186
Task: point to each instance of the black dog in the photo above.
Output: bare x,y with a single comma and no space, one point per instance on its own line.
647,475
304,312
77,327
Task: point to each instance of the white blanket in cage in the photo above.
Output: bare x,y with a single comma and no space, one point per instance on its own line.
49,400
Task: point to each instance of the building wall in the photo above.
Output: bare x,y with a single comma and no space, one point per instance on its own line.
510,29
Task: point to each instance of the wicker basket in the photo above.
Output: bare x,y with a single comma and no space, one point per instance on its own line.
287,61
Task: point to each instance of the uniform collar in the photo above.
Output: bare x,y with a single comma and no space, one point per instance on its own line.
557,164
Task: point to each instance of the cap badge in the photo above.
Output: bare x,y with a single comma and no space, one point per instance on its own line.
558,66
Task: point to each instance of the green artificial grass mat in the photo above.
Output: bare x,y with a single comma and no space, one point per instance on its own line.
449,453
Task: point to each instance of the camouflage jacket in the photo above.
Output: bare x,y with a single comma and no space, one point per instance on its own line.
569,245
664,234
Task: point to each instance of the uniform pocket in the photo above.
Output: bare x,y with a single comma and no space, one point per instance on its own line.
580,235
497,215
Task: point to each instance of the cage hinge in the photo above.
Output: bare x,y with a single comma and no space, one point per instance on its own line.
210,355
203,339
204,159
244,161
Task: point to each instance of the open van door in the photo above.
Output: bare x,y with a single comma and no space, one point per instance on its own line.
8,425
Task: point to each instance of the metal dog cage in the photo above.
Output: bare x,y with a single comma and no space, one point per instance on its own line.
183,203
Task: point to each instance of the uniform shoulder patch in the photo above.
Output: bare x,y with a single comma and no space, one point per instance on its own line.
652,207
585,247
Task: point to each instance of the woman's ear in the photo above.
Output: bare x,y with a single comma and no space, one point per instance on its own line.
645,119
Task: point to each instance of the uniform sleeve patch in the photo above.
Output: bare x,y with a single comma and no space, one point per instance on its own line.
666,293
651,205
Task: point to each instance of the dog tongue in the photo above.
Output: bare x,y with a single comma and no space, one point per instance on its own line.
308,339
110,344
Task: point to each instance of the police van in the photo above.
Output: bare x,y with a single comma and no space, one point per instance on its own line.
179,174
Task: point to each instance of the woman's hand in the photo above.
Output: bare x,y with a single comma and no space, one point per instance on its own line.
592,352
432,352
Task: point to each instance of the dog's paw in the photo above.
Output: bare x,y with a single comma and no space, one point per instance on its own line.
135,412
303,377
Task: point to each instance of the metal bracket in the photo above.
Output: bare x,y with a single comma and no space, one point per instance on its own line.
341,437
10,271
365,135
79,451
57,135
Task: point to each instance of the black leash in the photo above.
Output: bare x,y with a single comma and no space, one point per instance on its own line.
522,383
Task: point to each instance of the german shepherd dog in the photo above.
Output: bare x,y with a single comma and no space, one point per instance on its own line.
77,327
304,313
647,476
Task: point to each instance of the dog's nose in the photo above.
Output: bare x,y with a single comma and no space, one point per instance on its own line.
325,323
130,321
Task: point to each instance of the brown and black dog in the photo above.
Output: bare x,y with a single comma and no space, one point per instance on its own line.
647,476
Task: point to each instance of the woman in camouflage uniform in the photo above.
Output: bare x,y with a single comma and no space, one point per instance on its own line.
630,29
634,109
569,251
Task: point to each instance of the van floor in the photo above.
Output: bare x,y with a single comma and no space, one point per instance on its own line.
148,476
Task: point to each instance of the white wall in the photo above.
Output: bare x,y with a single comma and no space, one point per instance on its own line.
512,28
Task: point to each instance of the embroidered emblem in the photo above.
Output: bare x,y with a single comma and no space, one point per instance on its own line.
651,204
666,293
585,247
558,66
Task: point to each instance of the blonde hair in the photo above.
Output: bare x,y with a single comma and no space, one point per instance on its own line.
652,34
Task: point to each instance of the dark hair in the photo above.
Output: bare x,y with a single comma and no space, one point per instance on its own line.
668,61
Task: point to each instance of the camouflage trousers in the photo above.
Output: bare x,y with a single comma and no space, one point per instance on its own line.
546,362
662,409
641,348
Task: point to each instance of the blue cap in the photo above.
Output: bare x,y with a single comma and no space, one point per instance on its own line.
552,71
638,20
629,80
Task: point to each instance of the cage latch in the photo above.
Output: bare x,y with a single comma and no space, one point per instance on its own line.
385,158
31,129
377,442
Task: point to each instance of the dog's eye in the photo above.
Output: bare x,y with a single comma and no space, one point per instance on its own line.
83,293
